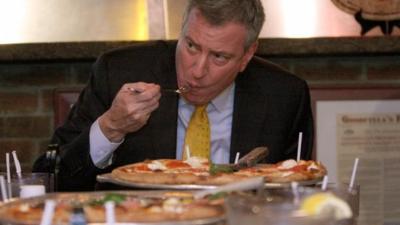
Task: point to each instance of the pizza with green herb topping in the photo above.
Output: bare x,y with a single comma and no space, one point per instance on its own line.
200,171
136,208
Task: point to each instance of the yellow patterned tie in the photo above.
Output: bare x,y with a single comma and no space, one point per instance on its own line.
198,134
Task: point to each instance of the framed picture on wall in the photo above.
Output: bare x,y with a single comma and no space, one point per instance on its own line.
361,122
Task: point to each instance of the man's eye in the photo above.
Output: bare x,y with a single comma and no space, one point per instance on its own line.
191,46
220,59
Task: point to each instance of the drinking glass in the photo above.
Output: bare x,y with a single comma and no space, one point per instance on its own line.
273,207
351,196
28,179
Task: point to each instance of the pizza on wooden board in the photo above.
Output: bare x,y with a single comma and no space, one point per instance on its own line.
168,207
201,172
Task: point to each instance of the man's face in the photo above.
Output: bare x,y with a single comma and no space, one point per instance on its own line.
208,58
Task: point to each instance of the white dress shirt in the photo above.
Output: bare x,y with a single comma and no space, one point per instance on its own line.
219,111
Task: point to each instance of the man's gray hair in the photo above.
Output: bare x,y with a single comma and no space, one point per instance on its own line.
249,13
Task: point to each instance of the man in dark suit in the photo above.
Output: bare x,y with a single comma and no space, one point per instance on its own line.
126,114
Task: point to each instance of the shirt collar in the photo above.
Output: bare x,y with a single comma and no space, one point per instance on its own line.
223,100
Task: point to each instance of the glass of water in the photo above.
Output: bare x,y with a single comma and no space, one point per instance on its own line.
274,207
28,179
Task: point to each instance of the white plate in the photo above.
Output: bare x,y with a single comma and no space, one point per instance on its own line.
109,178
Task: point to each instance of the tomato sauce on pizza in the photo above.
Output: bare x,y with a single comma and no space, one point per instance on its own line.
198,171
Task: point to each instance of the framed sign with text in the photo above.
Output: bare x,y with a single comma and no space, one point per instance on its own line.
361,122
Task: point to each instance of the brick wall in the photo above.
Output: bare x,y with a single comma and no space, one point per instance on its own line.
26,104
26,88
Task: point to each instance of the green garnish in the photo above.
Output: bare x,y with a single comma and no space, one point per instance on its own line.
117,198
217,196
219,168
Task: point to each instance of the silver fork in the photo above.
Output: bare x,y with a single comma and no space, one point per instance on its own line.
180,90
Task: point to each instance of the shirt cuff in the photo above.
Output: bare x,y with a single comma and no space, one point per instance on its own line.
101,149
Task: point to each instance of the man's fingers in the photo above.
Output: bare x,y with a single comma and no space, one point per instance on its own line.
133,105
142,92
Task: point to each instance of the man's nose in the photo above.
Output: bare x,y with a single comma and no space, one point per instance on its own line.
200,67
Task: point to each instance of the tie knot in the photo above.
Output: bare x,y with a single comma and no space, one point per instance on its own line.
201,108
200,112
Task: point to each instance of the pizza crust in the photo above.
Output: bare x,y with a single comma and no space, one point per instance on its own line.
135,208
157,177
282,172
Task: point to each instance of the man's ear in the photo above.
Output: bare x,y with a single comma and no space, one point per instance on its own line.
248,55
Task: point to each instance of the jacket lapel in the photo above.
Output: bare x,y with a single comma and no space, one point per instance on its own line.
250,108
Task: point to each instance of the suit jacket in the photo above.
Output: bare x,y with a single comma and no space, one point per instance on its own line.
271,107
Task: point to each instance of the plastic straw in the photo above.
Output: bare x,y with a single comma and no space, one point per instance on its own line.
8,167
17,164
3,189
295,191
8,173
48,213
110,212
299,146
324,183
237,157
353,175
187,151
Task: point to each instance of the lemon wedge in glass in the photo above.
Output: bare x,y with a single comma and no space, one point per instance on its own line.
326,203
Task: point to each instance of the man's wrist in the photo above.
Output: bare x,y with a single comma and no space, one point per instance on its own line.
112,134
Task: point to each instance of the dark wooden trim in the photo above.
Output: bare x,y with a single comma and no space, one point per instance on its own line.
268,47
63,100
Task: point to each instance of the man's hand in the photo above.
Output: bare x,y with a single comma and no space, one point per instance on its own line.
130,110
